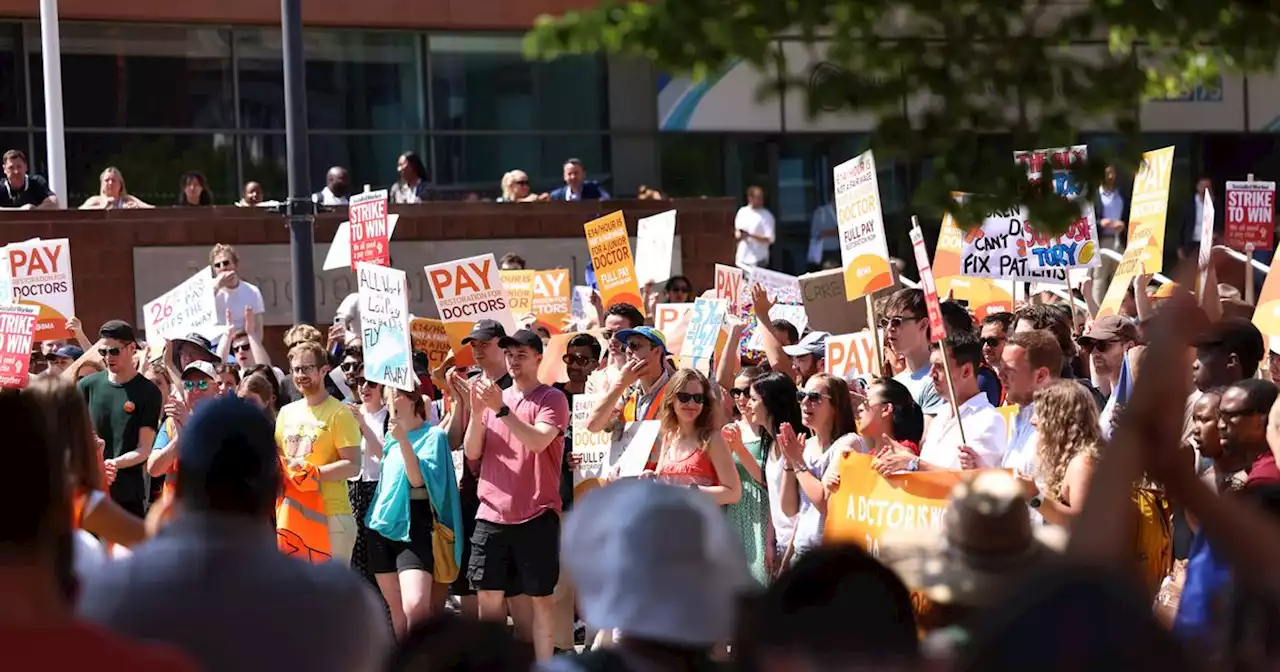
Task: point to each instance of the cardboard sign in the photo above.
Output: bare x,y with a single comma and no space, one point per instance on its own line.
429,337
467,291
384,326
827,305
611,256
1148,212
984,295
41,277
731,286
1251,214
185,309
937,328
17,329
1006,246
704,330
864,250
339,254
519,286
550,304
370,231
655,236
850,356
1058,160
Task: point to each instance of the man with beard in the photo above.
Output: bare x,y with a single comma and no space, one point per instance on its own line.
1242,425
1107,341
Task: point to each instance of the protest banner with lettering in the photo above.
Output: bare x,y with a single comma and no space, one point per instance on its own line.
339,254
429,337
704,331
185,309
655,236
827,306
551,299
984,295
519,286
672,319
611,257
796,315
850,356
1250,215
1148,213
866,506
598,450
937,328
370,231
467,291
782,288
731,286
384,326
1058,160
864,250
41,277
1007,247
17,329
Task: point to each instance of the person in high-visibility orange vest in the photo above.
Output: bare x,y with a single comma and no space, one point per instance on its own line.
638,392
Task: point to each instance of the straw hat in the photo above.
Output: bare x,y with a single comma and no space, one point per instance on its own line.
987,540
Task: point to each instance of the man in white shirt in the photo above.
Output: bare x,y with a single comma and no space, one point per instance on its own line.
754,229
233,294
986,435
1030,361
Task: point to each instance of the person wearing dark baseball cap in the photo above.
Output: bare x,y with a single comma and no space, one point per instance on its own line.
63,357
1107,342
517,435
125,409
229,476
483,339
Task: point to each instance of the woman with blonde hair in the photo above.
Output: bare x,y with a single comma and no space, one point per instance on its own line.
1070,437
69,430
691,452
112,194
515,188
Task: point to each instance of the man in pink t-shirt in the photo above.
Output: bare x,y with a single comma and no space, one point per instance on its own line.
518,436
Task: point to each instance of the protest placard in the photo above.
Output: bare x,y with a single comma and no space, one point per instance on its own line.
551,299
826,304
866,505
519,284
185,309
611,257
794,314
704,330
339,254
370,231
850,356
984,295
731,286
579,302
864,250
384,326
597,450
1250,214
782,288
17,329
467,291
636,443
1148,212
1008,247
655,236
937,328
40,272
429,337
1059,161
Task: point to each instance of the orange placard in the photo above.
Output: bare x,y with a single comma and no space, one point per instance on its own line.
850,355
611,256
519,286
867,505
467,291
429,336
552,298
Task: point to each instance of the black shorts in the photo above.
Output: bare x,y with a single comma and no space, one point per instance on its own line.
387,556
470,498
528,553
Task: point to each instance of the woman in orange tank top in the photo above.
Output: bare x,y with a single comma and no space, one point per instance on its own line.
691,451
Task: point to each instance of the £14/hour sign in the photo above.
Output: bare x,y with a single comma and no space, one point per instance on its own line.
41,277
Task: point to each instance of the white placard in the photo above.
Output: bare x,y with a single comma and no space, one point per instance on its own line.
339,255
655,236
185,309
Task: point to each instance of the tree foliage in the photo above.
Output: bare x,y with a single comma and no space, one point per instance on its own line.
965,68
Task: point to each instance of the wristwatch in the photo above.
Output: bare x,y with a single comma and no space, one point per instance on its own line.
502,412
1035,501
914,464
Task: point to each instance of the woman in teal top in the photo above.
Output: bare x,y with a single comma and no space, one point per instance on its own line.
750,515
417,487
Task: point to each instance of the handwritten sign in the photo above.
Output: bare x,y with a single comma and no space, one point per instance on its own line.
17,329
731,286
611,256
550,304
796,315
384,325
864,250
1058,161
1007,246
937,328
185,309
429,337
467,291
704,329
655,236
782,288
984,295
1251,214
850,356
1148,213
827,306
519,284
370,231
41,277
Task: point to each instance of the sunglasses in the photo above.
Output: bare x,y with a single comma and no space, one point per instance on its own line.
221,264
110,352
193,385
896,322
607,335
348,367
815,397
739,392
521,182
992,341
1102,346
304,369
691,398
580,360
243,347
633,346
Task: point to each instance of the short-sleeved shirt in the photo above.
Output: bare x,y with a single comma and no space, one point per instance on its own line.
518,484
235,300
119,413
33,192
317,433
922,389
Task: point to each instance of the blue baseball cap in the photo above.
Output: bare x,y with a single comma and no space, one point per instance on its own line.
648,333
72,352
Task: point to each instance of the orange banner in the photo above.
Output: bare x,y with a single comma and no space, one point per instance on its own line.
611,256
868,505
552,297
429,336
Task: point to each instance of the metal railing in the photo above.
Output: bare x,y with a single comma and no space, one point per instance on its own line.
1164,279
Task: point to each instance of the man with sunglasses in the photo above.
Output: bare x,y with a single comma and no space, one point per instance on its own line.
906,331
638,391
198,385
234,294
1107,341
125,409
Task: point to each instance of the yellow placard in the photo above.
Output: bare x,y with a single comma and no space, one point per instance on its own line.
1148,214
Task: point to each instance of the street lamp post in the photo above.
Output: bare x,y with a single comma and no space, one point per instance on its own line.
300,211
55,140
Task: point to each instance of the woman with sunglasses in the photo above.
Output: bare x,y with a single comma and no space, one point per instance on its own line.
691,452
750,516
772,404
826,409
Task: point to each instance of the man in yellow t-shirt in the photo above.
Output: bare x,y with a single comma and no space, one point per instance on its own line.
321,431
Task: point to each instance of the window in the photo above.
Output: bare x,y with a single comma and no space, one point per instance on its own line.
692,164
152,164
370,159
355,80
13,92
138,76
485,83
478,162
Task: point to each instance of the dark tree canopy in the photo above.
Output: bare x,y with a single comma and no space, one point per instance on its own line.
1042,71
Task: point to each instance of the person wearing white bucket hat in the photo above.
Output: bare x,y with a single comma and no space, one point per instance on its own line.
661,566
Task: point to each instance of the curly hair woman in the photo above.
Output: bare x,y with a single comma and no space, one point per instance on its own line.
1070,437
